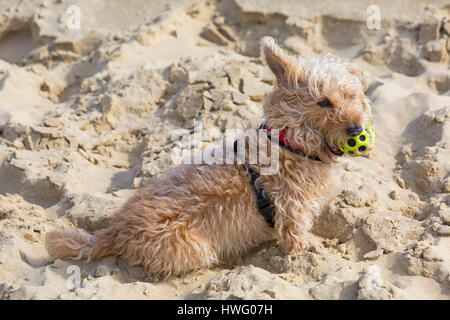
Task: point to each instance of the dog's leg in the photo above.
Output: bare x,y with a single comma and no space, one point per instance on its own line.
172,251
292,224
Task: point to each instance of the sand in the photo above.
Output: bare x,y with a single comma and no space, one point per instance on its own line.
86,117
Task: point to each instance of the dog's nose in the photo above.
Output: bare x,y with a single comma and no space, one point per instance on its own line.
354,131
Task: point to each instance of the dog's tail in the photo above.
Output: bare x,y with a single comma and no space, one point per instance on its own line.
78,244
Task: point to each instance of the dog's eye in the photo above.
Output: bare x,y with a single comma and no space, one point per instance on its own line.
325,104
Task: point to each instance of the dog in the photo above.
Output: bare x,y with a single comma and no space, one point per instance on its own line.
198,216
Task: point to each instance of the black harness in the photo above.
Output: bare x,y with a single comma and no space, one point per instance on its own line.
264,204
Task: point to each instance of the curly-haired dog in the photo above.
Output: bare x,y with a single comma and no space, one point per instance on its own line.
198,215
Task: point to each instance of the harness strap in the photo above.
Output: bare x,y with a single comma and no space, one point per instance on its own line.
264,204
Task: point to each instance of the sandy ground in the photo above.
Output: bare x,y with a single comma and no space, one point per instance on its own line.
86,116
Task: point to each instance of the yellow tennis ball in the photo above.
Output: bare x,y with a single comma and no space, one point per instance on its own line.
360,145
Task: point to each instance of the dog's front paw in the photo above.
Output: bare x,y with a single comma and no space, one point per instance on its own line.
291,247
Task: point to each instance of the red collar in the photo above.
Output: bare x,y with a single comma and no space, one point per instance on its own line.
286,144
282,138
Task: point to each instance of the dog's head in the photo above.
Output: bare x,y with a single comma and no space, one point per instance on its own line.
319,101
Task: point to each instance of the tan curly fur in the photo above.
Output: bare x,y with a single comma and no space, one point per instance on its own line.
196,216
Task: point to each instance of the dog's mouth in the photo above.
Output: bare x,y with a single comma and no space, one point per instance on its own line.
335,150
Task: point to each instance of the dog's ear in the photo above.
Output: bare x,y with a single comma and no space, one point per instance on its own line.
277,60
